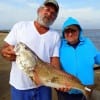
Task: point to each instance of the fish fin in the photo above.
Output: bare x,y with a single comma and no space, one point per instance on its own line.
35,78
87,92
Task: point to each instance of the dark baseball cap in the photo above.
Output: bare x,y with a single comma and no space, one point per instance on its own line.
54,2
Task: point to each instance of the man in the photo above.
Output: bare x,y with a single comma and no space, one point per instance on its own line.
77,56
43,41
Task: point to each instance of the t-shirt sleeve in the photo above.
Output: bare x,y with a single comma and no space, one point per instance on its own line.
11,37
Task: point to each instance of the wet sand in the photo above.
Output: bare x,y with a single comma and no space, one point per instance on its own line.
4,74
4,79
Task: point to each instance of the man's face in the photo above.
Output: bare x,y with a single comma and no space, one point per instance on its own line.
47,15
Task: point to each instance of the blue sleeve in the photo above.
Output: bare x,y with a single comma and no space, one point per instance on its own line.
97,58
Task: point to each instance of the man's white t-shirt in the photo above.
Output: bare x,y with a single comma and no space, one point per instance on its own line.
45,46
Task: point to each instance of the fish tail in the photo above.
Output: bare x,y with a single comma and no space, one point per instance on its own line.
87,92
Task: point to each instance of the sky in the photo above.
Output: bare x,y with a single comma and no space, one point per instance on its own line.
87,12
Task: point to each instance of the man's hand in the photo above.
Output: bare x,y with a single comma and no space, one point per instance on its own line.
8,52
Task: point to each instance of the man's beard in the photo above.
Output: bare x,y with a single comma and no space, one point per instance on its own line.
43,20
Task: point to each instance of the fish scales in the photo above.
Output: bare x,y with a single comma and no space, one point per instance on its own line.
48,74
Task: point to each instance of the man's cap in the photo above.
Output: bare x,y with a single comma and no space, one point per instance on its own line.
54,2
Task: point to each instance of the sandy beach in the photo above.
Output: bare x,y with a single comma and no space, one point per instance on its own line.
4,74
4,78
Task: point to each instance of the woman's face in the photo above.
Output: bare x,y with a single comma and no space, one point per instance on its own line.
71,34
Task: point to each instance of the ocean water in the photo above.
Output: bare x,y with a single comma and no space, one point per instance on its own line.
94,35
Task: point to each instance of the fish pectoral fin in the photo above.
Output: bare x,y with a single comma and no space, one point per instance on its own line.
35,78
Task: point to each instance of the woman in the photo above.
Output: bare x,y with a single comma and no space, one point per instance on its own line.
77,56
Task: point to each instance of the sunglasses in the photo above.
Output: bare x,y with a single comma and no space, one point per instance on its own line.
70,31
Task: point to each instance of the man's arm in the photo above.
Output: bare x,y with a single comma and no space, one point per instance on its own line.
7,52
55,62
